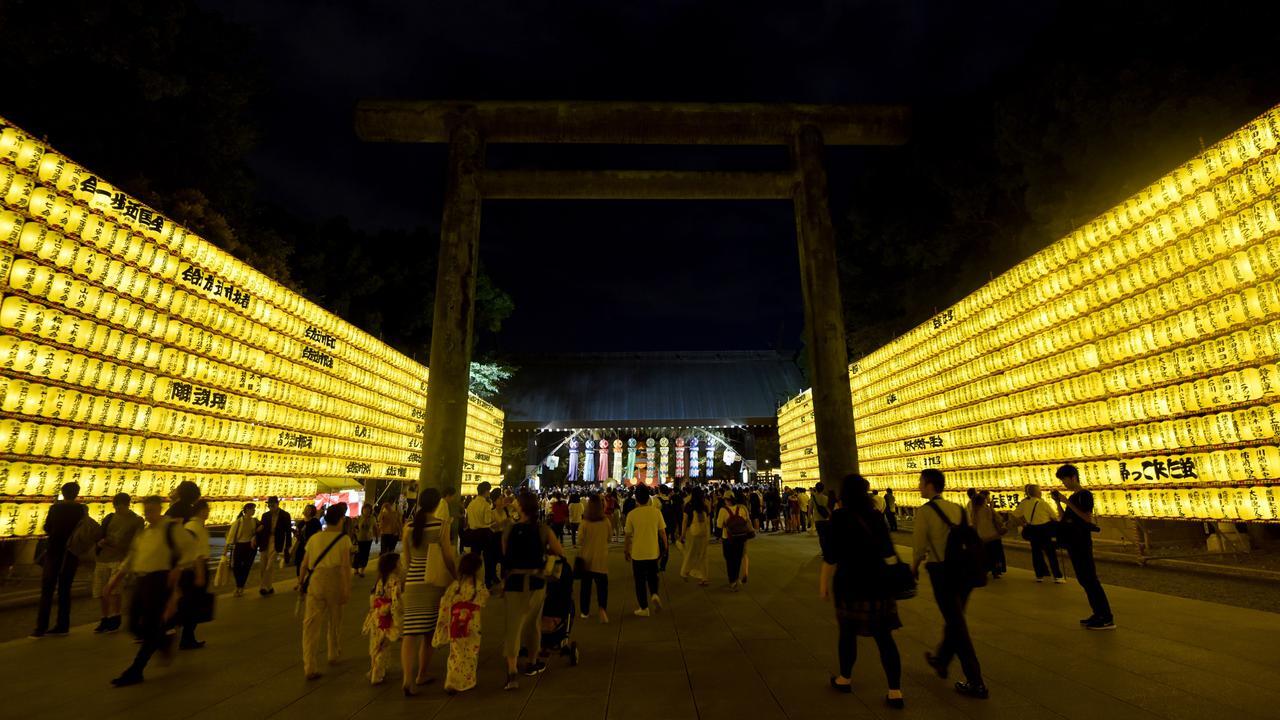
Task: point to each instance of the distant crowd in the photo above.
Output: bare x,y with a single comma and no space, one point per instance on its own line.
442,558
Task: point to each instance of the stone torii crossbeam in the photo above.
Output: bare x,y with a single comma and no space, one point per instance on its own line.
468,126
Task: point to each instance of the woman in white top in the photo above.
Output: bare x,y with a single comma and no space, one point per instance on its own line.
326,578
429,565
240,545
735,551
696,536
194,583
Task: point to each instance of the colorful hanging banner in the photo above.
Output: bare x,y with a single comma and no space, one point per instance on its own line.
711,458
602,468
680,457
651,457
617,459
573,460
589,462
695,467
631,459
664,451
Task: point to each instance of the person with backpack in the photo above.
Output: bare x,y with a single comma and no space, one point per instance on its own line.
525,547
196,603
62,556
118,530
155,561
1075,531
734,520
646,533
991,527
856,550
949,548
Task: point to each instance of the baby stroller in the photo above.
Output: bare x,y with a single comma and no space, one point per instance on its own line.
558,611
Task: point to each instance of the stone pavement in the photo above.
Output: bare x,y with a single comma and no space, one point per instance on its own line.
760,654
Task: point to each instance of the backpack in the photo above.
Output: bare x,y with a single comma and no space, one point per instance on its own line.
737,526
83,542
965,562
524,547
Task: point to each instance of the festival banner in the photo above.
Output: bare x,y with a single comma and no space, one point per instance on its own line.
589,462
651,457
573,460
679,457
695,467
664,452
617,459
602,469
631,459
711,457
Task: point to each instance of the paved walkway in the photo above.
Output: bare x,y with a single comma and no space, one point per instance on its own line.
756,655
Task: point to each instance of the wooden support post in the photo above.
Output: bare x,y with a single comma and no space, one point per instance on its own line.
454,314
824,330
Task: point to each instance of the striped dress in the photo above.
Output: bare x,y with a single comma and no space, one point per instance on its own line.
421,599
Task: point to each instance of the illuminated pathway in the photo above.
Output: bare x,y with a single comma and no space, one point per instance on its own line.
757,655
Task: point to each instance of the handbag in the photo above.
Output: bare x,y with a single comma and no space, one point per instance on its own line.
222,576
895,575
1026,529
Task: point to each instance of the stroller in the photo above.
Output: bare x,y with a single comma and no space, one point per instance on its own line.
558,611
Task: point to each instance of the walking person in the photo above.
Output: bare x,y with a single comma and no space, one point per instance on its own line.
155,561
933,523
325,581
59,565
855,549
576,508
592,565
558,517
482,522
1039,523
275,534
118,530
241,545
307,528
525,547
891,509
646,534
696,537
389,525
460,626
732,518
990,527
195,606
383,623
1076,532
429,566
821,511
366,527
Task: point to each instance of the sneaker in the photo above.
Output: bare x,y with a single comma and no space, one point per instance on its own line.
103,626
642,612
584,616
1059,581
1039,579
37,634
127,678
655,601
977,691
113,624
1085,622
1101,624
513,682
535,669
58,632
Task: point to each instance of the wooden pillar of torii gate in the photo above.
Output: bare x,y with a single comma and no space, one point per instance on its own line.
468,126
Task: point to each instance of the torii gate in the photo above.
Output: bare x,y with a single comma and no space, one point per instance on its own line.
468,126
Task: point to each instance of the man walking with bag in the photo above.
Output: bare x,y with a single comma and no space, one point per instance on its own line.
952,576
275,531
646,542
59,563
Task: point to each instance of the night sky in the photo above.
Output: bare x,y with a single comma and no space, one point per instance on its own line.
604,276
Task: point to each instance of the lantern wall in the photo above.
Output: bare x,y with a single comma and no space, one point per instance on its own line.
135,355
1142,348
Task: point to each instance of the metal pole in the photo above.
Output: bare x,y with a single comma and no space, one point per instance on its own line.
824,330
454,313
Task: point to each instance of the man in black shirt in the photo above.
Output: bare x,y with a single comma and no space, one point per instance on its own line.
59,565
1075,531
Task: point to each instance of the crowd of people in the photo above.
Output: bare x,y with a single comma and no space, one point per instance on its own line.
441,560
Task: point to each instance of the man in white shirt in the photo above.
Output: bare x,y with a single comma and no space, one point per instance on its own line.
482,522
933,522
155,559
646,542
1036,515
